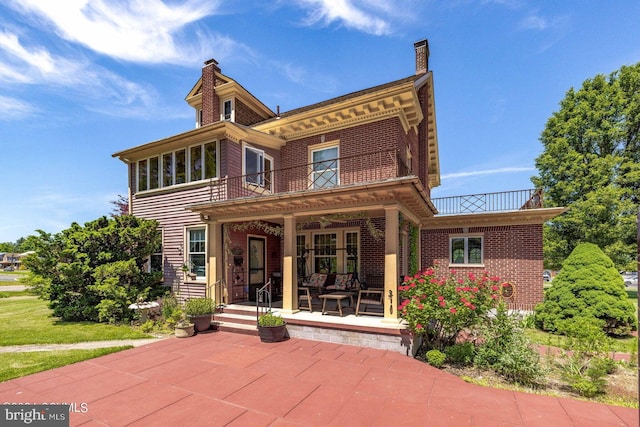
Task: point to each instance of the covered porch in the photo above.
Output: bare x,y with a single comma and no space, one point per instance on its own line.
381,205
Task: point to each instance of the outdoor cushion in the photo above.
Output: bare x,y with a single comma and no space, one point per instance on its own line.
342,281
317,280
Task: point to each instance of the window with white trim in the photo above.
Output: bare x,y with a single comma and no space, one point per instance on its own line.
196,163
325,257
466,250
324,168
227,110
258,168
197,251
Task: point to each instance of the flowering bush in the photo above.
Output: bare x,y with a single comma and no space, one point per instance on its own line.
442,308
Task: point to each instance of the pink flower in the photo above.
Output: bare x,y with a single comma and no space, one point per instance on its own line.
494,288
453,310
475,289
460,281
428,272
472,307
407,278
419,326
472,277
452,271
421,280
443,303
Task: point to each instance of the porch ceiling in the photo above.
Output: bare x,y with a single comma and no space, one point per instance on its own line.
406,193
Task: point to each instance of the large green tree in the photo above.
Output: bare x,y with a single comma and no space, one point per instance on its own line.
93,272
591,164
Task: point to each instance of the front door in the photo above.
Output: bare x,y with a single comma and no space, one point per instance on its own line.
257,270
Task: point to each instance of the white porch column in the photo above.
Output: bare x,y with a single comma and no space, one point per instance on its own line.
216,257
391,259
289,267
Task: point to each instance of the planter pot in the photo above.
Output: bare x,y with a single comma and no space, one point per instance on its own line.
272,333
202,322
184,331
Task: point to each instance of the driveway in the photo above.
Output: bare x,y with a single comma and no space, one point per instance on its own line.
221,378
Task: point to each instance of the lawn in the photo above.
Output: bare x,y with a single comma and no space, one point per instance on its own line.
28,320
14,365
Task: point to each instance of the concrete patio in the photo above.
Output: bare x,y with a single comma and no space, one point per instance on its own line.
226,379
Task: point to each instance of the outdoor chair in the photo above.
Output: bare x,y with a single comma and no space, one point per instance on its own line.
373,297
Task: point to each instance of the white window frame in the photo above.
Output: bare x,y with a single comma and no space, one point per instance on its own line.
308,240
465,257
198,117
172,156
264,174
232,113
189,252
313,174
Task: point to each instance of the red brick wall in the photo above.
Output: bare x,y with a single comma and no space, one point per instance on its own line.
513,253
244,115
210,101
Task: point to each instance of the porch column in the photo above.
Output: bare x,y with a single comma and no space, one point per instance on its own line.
216,257
391,249
289,267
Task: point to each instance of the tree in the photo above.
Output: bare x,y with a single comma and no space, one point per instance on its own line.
588,286
120,206
591,164
93,272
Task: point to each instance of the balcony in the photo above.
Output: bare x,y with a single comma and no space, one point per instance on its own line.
340,172
489,202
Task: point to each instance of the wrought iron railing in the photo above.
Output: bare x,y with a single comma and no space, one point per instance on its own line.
349,170
263,300
489,202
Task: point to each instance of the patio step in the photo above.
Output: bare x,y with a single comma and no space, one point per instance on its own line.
236,320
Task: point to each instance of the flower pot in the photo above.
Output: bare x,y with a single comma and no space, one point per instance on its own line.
272,333
202,322
184,331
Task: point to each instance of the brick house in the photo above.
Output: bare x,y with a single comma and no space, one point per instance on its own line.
341,186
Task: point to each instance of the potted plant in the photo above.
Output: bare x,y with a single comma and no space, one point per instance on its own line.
183,328
237,252
272,327
187,271
200,312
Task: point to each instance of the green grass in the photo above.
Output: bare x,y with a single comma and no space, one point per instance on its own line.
28,320
14,365
536,336
9,294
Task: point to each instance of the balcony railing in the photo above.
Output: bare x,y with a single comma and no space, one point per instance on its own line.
349,170
489,202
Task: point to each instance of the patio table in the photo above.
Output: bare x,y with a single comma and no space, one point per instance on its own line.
337,297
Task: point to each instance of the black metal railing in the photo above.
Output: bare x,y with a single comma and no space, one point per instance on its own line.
263,299
349,170
489,202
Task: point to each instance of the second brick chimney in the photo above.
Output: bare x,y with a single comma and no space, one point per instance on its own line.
422,56
210,101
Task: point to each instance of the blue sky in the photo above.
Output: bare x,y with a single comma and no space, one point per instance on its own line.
82,79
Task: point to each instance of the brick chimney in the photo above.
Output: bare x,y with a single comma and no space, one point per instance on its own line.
210,101
422,56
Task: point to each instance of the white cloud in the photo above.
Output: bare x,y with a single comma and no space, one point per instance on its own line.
348,13
12,109
534,22
486,172
35,65
144,31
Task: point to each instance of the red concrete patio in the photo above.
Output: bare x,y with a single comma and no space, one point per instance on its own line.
226,379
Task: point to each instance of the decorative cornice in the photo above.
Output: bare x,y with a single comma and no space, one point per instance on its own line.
397,101
520,217
212,132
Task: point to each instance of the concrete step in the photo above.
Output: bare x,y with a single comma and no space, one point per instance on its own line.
244,319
